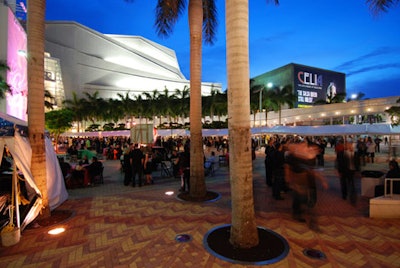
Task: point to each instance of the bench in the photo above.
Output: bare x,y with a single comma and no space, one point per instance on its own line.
388,205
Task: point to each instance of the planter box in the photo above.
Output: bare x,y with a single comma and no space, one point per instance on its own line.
10,238
385,207
369,179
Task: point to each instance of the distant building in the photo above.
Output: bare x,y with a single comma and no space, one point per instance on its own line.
308,83
110,64
13,46
79,59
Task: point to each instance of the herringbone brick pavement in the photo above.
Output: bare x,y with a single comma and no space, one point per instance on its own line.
118,226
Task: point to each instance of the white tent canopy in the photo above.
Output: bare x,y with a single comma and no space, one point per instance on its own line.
371,129
326,130
21,152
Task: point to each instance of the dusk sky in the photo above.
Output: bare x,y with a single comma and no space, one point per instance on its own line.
342,36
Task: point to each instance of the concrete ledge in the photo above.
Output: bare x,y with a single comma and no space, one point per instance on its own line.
385,207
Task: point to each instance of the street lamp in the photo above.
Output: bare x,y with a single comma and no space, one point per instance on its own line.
260,90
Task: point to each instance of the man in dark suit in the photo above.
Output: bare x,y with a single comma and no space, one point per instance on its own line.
137,159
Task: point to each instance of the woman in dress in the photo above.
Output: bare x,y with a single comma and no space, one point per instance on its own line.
148,167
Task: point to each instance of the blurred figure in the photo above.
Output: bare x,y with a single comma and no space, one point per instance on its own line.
278,172
320,157
148,167
126,165
361,152
184,162
175,163
66,168
94,169
269,161
370,150
346,169
136,158
301,177
209,164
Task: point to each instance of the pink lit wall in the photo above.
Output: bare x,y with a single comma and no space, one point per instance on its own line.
17,76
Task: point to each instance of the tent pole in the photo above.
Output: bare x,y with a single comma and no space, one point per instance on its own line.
16,194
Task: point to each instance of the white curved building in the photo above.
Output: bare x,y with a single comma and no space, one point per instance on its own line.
111,64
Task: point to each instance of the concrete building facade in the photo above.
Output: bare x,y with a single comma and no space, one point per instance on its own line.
309,84
110,64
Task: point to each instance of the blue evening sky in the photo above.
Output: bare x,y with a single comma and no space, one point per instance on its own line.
342,36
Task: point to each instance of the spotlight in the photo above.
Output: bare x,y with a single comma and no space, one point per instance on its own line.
56,231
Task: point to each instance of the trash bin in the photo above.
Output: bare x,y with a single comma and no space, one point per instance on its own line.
369,179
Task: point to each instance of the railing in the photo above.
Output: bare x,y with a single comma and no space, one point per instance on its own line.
390,181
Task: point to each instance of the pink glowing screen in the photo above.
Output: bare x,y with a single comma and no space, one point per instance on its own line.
17,75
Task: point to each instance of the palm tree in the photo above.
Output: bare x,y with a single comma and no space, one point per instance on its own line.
94,106
256,99
269,103
165,103
279,97
394,112
202,19
112,110
127,106
79,107
151,110
4,87
48,100
36,117
182,102
378,6
138,108
211,102
243,229
221,105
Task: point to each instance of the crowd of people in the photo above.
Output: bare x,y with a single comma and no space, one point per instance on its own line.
293,164
290,166
137,161
83,173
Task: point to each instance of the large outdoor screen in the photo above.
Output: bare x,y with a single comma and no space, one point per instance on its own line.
312,84
17,75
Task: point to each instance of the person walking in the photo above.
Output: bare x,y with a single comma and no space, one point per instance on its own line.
278,173
126,164
184,162
346,168
370,149
148,167
269,161
301,178
137,159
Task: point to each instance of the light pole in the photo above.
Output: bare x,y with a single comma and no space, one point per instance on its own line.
260,101
261,90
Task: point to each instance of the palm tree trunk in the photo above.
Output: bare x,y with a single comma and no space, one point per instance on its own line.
35,24
280,116
197,181
244,232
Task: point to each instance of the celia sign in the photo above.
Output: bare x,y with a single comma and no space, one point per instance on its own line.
309,79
